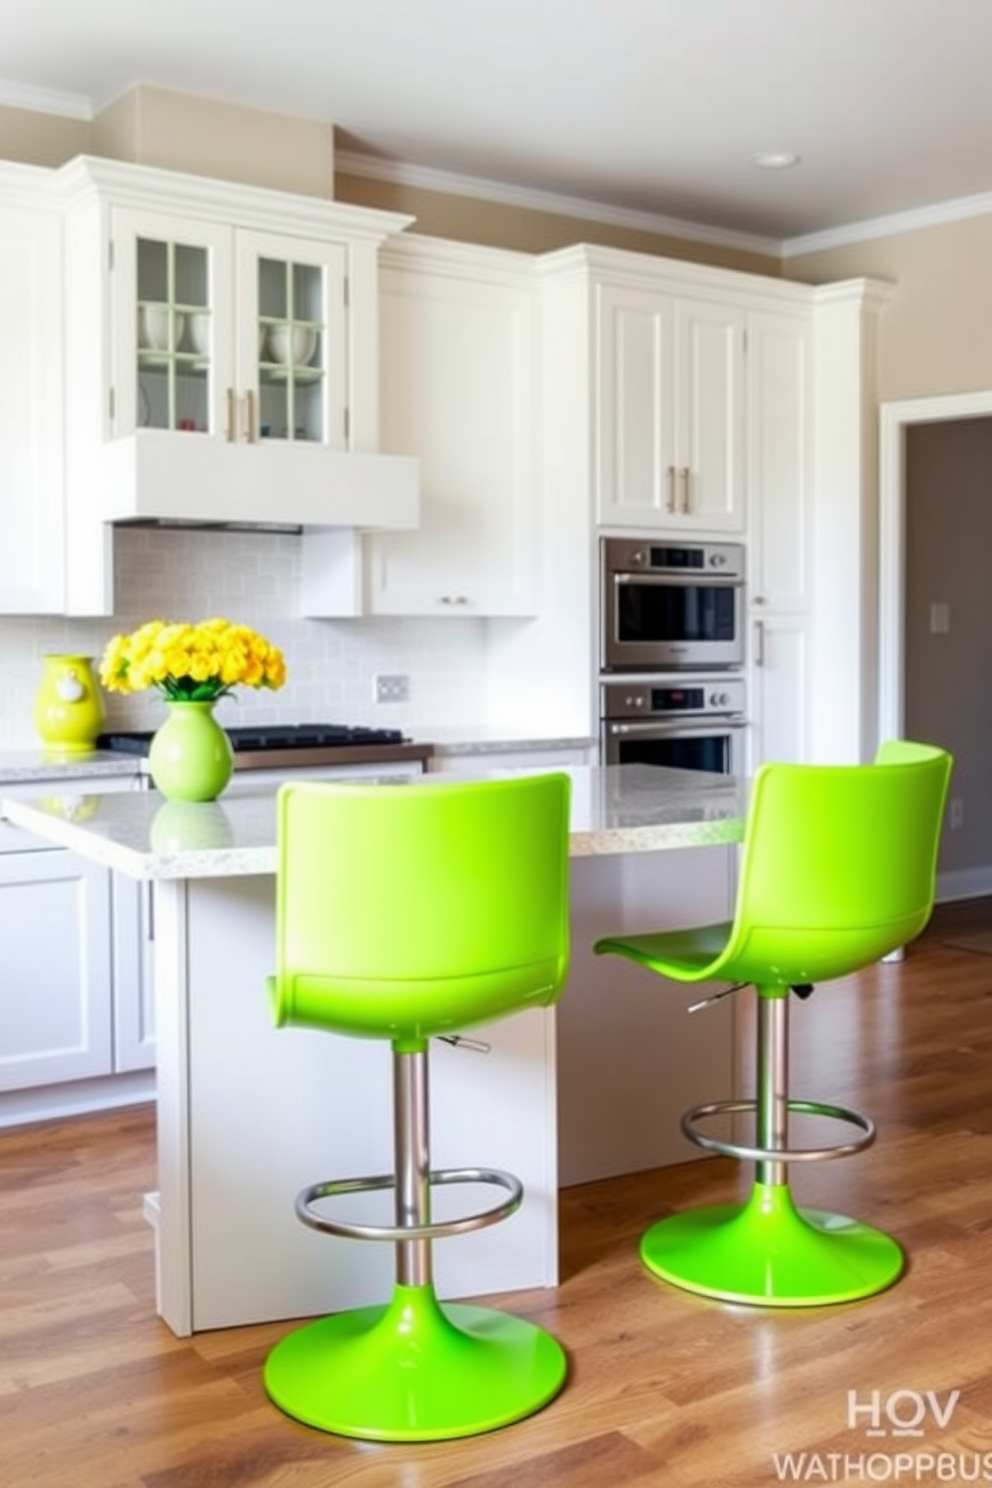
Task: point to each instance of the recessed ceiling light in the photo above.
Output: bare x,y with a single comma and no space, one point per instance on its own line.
775,159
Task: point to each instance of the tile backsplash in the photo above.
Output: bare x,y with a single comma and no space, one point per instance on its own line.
253,578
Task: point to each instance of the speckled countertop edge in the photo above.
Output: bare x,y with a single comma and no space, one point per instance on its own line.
619,809
17,765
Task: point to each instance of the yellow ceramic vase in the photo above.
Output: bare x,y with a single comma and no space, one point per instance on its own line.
69,711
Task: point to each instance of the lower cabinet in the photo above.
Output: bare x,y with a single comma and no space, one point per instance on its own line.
56,991
479,762
76,1028
778,686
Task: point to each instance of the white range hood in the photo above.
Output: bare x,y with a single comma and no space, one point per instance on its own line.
157,476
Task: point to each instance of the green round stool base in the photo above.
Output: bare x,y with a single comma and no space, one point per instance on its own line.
771,1254
414,1370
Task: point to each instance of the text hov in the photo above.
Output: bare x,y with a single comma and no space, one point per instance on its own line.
902,1413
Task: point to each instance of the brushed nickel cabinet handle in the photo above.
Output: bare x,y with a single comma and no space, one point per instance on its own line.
759,643
684,477
251,423
670,478
231,431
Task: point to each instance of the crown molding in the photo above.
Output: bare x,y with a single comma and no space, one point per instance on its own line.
354,163
885,227
44,101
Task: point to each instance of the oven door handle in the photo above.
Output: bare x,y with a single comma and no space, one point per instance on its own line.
680,580
699,727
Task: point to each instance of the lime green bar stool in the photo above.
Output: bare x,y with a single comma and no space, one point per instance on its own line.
837,870
405,913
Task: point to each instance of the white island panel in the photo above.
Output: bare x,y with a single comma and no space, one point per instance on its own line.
249,1114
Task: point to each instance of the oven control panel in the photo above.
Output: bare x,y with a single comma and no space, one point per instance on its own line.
664,697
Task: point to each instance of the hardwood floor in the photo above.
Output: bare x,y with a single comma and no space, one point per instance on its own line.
664,1388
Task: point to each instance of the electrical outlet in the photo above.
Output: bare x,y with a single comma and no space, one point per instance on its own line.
955,813
391,687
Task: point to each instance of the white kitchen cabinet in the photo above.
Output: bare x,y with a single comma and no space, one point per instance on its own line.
475,763
70,993
458,328
55,994
132,922
779,532
670,410
228,333
32,571
222,361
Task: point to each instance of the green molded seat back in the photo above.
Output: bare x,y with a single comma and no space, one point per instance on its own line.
838,866
404,911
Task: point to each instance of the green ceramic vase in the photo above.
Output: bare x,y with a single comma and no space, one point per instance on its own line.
191,757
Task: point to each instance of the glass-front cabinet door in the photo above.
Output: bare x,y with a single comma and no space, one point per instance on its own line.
229,334
294,357
174,329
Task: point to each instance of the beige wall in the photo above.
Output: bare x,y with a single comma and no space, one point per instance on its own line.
175,131
41,139
470,220
936,335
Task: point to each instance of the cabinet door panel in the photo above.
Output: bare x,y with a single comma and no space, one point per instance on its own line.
635,407
780,564
292,336
55,993
669,412
780,452
458,393
710,394
134,991
171,325
778,689
31,484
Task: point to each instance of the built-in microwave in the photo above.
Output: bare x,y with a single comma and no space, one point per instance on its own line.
669,605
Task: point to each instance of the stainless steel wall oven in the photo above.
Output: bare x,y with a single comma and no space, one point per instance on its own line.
681,721
667,605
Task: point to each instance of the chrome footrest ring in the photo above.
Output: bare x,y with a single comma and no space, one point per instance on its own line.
309,1196
781,1154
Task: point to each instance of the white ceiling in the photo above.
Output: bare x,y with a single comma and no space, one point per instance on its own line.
644,106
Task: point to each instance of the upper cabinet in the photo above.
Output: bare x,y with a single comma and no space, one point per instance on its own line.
31,396
236,336
458,391
222,361
669,410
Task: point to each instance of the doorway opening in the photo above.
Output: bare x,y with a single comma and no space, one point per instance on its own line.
935,608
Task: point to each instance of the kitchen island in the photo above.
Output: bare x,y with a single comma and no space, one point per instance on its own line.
248,1114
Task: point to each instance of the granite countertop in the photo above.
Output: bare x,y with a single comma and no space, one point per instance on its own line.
19,765
616,809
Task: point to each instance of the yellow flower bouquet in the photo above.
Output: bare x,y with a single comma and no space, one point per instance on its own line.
191,663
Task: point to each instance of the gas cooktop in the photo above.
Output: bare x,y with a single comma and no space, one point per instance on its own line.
264,738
